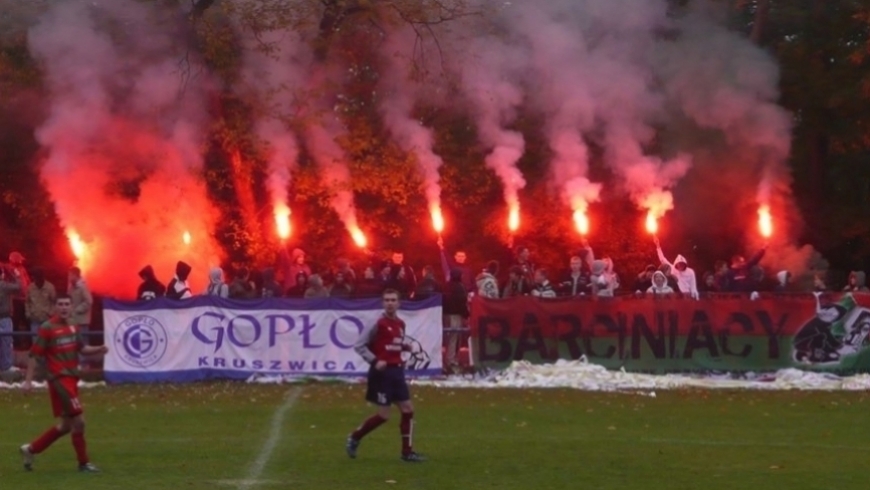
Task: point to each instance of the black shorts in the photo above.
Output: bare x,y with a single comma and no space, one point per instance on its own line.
387,387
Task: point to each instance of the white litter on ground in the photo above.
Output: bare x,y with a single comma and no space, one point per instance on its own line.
582,375
42,385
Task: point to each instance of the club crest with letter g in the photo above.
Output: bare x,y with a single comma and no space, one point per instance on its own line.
140,341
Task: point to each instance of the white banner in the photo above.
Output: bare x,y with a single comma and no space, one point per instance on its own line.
208,338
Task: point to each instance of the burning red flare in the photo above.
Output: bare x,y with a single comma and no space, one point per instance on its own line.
76,243
186,238
514,218
79,249
282,221
652,225
765,221
359,237
437,219
581,221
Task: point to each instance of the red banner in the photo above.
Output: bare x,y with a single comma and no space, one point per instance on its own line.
664,335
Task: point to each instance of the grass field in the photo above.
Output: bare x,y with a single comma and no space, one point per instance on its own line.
219,435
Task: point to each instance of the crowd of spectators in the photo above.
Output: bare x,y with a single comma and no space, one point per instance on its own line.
26,297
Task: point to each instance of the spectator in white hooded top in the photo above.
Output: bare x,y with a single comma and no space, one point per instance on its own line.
487,284
216,284
685,276
659,284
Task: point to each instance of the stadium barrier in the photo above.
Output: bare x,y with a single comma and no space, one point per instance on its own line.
731,333
202,338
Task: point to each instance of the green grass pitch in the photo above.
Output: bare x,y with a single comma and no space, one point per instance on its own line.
218,435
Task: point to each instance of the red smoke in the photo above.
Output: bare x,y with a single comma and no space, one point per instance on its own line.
123,146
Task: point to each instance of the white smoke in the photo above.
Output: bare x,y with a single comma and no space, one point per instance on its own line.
399,92
276,65
490,72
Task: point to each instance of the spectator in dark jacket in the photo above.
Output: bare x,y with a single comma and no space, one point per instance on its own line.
242,287
517,284
316,289
178,287
428,286
340,288
739,277
575,282
402,277
523,261
343,267
456,311
672,281
760,282
370,286
708,283
722,277
150,287
271,288
458,263
644,279
300,286
543,288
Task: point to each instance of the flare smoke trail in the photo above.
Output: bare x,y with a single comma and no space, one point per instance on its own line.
559,82
331,159
122,143
274,79
722,82
584,66
621,73
490,70
397,105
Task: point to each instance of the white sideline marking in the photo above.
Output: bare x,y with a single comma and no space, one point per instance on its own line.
239,483
271,443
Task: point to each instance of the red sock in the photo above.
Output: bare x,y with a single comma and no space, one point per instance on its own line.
78,441
407,428
45,440
369,425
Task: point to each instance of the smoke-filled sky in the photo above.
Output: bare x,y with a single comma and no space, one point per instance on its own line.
616,74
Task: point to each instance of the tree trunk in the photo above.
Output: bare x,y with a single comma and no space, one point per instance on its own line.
820,138
200,7
759,24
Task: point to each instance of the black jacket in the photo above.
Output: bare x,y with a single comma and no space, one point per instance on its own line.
150,288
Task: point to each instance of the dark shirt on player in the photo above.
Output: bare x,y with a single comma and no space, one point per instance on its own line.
385,341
